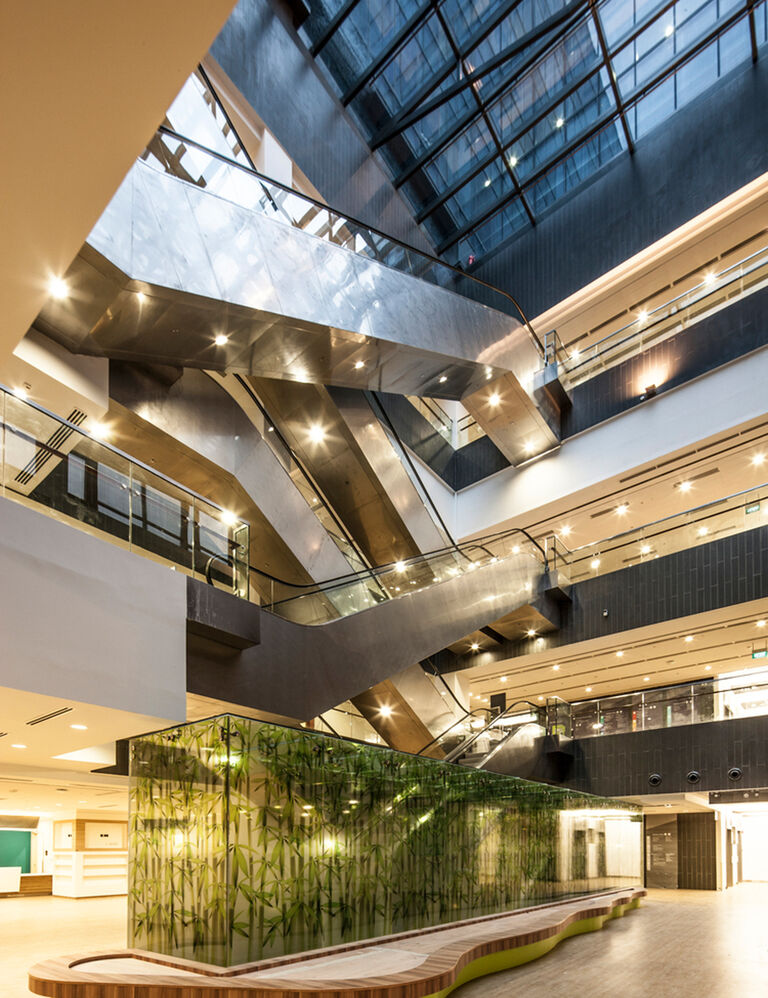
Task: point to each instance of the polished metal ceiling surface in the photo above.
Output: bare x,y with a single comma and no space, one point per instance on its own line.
488,112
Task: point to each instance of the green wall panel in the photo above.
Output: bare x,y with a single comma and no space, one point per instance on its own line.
15,849
250,840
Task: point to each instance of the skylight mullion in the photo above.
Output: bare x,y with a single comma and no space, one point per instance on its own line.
599,125
340,16
611,76
409,28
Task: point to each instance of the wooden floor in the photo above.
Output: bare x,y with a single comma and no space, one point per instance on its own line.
680,944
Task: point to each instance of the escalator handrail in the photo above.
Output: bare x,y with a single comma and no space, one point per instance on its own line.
503,741
372,573
507,712
461,720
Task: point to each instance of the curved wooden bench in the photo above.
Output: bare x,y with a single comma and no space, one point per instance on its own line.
452,955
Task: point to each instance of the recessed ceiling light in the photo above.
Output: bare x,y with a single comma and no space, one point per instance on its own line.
399,566
531,633
707,668
703,531
100,431
760,623
709,277
18,745
685,486
555,668
758,459
494,399
140,297
503,679
588,689
528,447
559,122
645,549
595,564
20,392
513,161
565,531
79,727
541,698
474,646
58,288
619,654
385,710
642,316
487,183
688,638
359,364
622,508
516,549
575,354
316,433
228,518
220,340
646,679
443,378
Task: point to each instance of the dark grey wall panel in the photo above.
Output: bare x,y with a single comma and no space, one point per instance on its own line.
722,337
260,51
619,765
722,573
702,154
696,852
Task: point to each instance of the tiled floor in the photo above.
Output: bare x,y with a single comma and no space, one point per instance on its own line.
680,944
32,929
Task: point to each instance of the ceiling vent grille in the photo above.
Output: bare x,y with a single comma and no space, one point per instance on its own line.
49,717
45,451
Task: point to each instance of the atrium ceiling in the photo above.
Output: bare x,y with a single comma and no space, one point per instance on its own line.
489,112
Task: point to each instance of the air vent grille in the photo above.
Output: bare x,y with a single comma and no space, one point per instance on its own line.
50,716
45,451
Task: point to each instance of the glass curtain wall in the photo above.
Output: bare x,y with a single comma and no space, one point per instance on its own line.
249,840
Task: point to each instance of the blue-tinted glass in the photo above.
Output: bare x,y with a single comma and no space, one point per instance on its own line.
500,227
437,123
654,108
413,64
577,168
372,26
563,126
458,158
734,46
572,58
480,193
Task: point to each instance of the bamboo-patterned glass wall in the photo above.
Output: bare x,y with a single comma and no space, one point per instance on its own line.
250,840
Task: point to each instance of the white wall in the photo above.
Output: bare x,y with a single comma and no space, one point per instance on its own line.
729,396
85,620
755,846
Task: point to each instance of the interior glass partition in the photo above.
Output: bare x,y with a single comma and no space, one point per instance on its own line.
249,840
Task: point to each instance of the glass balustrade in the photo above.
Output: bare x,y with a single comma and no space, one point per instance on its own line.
726,696
721,518
649,327
58,467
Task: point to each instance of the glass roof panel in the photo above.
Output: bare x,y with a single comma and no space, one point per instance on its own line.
488,112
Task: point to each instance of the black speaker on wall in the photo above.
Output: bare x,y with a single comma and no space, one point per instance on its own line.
694,776
735,774
655,779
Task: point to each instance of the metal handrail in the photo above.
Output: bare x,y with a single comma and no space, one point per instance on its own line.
507,712
432,260
461,720
597,546
372,573
4,389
